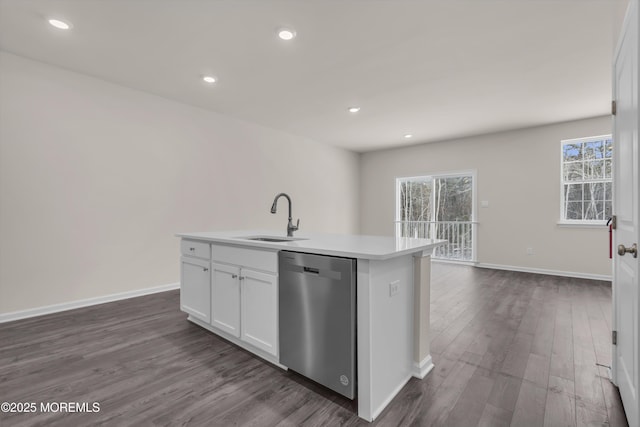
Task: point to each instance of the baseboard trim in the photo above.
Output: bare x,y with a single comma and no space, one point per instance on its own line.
56,308
545,271
389,398
420,370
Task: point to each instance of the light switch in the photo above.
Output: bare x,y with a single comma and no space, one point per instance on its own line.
484,204
394,287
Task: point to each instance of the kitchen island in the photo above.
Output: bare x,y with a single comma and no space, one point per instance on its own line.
229,285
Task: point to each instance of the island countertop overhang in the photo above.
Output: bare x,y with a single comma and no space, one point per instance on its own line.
341,245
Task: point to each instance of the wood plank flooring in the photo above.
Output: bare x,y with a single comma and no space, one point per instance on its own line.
509,349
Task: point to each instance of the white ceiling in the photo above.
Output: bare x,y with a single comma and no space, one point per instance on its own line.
437,69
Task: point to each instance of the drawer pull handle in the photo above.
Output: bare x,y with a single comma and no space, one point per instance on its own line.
192,249
241,277
205,269
233,276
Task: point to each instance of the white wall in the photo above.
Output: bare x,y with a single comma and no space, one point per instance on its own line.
518,172
95,179
619,9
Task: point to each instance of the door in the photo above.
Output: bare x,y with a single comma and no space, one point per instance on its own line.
625,179
259,309
195,287
225,298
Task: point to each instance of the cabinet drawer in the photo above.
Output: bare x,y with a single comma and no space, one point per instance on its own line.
264,260
195,248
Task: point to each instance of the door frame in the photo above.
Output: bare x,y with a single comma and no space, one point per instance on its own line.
631,18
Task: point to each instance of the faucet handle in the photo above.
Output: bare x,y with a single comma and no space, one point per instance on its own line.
291,228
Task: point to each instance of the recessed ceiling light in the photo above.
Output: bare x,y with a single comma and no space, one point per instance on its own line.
408,135
209,79
286,33
354,109
59,24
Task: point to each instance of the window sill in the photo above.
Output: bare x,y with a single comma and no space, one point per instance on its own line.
578,224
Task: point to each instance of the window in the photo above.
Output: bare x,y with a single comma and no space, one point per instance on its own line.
439,207
586,179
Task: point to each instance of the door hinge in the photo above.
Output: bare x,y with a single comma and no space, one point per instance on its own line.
612,221
613,108
614,337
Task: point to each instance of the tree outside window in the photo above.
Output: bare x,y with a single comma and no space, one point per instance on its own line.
438,207
586,179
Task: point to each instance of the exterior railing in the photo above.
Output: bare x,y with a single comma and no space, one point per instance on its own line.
459,234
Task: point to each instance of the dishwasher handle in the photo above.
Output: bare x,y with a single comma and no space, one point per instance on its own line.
320,273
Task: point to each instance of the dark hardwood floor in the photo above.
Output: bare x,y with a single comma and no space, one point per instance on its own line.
509,348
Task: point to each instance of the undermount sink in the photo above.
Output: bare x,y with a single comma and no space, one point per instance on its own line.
272,238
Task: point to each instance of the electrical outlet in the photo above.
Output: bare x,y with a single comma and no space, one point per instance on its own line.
394,288
529,251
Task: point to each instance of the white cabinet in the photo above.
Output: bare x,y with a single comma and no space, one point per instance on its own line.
244,295
259,308
232,291
244,304
195,248
195,288
225,298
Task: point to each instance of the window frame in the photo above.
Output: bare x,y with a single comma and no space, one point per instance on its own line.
474,201
586,223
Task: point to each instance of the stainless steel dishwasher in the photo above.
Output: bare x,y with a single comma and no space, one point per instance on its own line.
317,306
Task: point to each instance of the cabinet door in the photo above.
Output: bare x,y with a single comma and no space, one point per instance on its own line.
260,310
225,298
195,288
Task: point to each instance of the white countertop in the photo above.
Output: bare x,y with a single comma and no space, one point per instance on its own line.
344,245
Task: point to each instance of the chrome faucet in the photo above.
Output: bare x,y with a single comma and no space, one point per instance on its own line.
290,227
